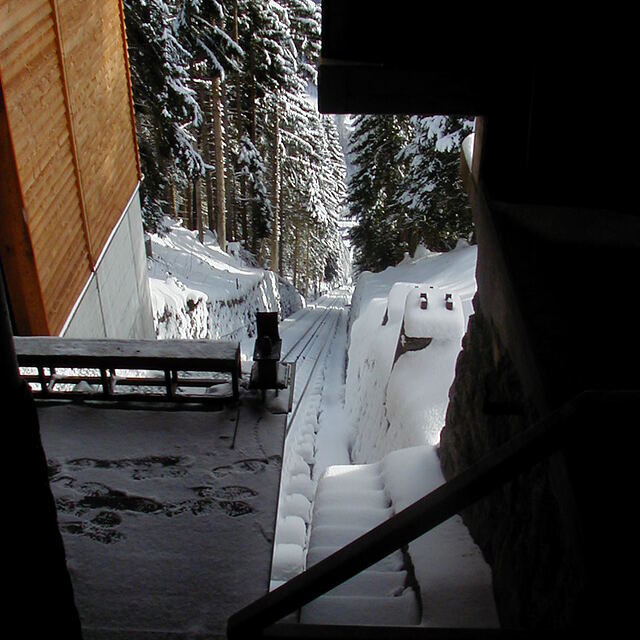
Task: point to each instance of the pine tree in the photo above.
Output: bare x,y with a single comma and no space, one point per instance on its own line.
253,169
263,33
237,80
379,237
433,194
212,53
164,102
337,268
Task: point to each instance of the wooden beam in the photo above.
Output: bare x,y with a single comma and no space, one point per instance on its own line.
168,356
354,87
129,88
72,136
16,251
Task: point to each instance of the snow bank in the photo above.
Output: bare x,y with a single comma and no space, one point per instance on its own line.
200,291
407,324
178,311
453,271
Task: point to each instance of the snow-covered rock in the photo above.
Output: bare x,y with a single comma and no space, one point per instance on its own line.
406,328
200,291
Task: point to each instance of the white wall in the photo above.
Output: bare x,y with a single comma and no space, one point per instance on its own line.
116,302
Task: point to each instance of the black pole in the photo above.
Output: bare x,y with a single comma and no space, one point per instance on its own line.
38,584
9,374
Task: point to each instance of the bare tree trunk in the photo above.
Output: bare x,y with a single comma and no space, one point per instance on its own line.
252,135
306,266
244,217
205,145
218,149
275,198
229,191
189,206
171,200
296,252
281,254
197,205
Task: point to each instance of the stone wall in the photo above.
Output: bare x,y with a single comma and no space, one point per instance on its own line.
537,577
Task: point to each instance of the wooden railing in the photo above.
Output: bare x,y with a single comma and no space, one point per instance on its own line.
535,444
175,370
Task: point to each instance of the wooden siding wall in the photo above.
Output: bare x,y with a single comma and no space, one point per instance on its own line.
68,109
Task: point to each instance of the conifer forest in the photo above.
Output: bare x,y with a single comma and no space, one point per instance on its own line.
230,140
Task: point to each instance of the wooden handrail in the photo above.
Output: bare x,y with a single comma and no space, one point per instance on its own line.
167,356
520,453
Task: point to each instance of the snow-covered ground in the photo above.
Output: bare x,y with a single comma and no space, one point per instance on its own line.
200,291
374,452
362,438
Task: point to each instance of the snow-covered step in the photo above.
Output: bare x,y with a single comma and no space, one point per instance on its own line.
455,581
357,476
393,562
363,610
373,583
330,535
351,500
369,498
362,517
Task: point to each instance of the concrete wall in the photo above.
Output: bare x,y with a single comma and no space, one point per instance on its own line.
116,302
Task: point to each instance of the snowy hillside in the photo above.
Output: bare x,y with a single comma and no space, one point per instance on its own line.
395,402
200,291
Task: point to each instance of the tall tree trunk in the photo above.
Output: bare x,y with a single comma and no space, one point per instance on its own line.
296,253
205,145
244,216
252,135
171,199
218,149
189,206
229,191
306,266
281,254
197,206
275,198
252,95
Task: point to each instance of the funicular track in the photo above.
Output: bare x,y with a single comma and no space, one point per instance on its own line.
311,332
312,350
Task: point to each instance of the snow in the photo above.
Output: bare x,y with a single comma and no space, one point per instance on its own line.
167,527
361,444
200,291
448,565
393,403
363,447
376,453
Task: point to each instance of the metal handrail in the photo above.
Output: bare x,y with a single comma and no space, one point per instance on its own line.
500,466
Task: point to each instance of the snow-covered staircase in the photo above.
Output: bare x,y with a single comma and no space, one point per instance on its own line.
440,580
350,500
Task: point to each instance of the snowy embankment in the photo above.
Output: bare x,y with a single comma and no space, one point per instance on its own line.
396,399
200,291
385,405
379,452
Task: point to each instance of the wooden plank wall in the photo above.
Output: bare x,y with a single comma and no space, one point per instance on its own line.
64,76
